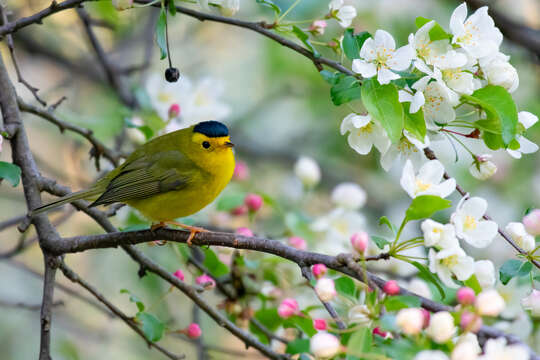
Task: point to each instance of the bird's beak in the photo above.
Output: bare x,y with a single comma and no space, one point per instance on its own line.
229,144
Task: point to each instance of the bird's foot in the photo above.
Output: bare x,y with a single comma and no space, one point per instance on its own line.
193,230
155,227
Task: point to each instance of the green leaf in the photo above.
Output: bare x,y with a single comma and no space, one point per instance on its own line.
345,286
303,323
269,317
161,37
151,326
415,123
345,89
300,34
213,264
398,302
10,172
269,4
384,220
350,46
428,276
361,38
134,299
329,77
380,241
426,205
359,343
500,109
297,346
473,283
436,33
514,268
382,103
172,8
230,201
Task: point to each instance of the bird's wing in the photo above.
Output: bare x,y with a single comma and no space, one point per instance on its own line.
147,176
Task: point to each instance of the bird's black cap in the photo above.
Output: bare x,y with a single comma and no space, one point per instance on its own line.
211,129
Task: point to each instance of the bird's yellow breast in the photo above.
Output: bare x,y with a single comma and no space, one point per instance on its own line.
205,186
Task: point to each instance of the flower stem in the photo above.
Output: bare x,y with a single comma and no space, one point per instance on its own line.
287,11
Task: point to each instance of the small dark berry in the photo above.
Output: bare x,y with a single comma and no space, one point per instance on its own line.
172,74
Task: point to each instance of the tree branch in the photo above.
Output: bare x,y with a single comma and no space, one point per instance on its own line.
431,156
100,148
37,18
262,28
71,275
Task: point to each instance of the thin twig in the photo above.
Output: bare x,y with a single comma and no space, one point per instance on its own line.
100,148
26,306
71,275
11,48
431,156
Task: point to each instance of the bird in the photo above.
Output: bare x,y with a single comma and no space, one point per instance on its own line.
171,176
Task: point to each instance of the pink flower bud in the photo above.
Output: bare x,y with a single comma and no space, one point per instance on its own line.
253,202
465,296
319,270
470,321
179,275
378,331
174,111
239,210
426,314
317,27
244,231
532,222
288,308
319,324
360,241
241,171
206,281
298,243
391,287
193,331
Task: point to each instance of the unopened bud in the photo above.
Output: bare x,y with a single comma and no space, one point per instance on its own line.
325,289
206,281
174,111
288,308
465,296
179,275
319,270
319,324
317,27
244,231
253,202
470,321
194,331
391,287
360,241
298,243
241,171
532,222
324,345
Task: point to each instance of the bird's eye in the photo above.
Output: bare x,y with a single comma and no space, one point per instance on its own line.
205,144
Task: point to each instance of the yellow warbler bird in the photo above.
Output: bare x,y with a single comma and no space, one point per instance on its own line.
171,176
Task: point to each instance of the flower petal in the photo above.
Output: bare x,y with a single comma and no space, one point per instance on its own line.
457,19
384,76
464,268
384,39
527,119
402,58
408,178
475,207
526,146
431,172
482,235
418,101
364,68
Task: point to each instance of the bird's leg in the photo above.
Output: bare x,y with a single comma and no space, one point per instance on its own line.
154,227
194,230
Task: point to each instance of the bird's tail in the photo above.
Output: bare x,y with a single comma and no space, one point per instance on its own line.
80,195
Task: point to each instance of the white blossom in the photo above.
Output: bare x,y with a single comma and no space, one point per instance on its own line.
324,345
344,13
476,34
364,133
416,99
308,171
441,327
483,168
497,349
337,226
484,270
532,303
379,57
410,320
438,53
467,348
521,237
199,101
431,355
349,196
448,262
427,181
489,303
469,223
408,147
525,146
360,314
439,235
325,289
419,287
498,71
